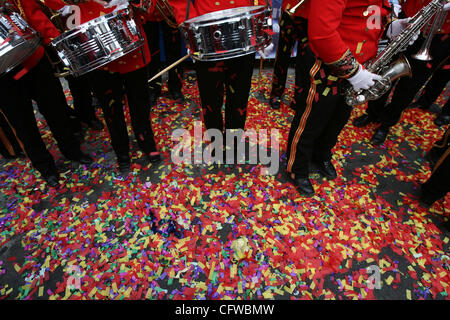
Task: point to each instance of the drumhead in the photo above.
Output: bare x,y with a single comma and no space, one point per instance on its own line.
87,25
226,14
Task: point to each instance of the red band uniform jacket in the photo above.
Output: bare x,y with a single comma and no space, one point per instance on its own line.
345,33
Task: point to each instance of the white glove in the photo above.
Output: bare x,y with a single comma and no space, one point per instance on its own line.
397,9
266,51
66,10
119,4
397,26
363,79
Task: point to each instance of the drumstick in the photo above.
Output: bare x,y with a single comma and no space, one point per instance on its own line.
173,65
261,61
103,3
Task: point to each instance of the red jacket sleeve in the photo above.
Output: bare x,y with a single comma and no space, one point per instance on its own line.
180,9
324,19
39,21
54,4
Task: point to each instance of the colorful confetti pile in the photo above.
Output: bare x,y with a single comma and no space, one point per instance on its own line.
227,232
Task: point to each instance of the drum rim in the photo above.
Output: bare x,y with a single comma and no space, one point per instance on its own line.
68,33
32,49
212,16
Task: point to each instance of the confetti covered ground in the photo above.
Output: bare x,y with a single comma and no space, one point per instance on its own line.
227,232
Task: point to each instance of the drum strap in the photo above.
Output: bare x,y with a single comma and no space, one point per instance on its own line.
19,6
188,9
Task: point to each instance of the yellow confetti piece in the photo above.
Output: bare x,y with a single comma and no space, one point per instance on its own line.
233,271
268,294
149,293
389,280
211,271
408,294
93,291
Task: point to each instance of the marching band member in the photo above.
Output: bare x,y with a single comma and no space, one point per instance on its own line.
340,40
230,77
388,115
292,29
126,76
437,186
83,110
24,83
172,50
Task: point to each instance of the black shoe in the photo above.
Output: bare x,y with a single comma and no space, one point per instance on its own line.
153,98
95,102
176,95
433,156
447,225
124,168
327,169
427,198
96,124
81,158
442,120
275,103
418,105
380,136
304,186
155,158
293,105
363,121
434,108
52,180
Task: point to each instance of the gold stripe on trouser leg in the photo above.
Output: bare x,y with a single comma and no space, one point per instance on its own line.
302,124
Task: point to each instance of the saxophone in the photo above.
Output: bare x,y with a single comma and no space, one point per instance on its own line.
382,65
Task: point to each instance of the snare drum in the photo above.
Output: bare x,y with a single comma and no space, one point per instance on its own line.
98,42
17,41
227,33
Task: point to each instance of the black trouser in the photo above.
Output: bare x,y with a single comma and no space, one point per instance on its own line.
407,88
82,98
434,88
40,85
10,147
291,30
172,50
439,183
232,77
320,116
110,88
